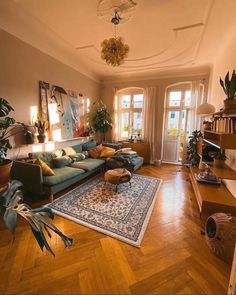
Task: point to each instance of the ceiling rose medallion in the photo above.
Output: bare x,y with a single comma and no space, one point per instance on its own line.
114,50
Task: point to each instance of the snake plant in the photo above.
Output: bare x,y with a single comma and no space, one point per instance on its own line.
229,85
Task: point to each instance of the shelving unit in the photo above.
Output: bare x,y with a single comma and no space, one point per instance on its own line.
217,198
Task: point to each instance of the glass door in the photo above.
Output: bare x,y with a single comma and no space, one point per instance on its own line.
176,119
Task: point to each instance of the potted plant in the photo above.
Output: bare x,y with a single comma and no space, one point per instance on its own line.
219,159
229,87
207,125
6,131
102,119
192,149
29,136
11,206
42,127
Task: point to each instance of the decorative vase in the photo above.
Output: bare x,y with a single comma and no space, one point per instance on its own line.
5,170
41,138
219,163
230,104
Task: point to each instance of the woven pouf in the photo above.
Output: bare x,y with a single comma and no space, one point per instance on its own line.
118,176
221,235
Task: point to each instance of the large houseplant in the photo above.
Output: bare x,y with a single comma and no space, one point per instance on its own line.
102,119
192,149
11,206
229,87
6,131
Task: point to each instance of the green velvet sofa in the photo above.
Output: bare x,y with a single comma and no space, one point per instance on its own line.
35,182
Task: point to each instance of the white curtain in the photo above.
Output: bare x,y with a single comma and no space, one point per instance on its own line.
115,116
195,102
150,132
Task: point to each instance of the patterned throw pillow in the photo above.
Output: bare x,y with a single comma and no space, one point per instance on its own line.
78,157
107,152
47,171
95,153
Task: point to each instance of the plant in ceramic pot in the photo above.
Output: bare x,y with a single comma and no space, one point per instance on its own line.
42,127
29,136
229,87
7,125
207,125
219,159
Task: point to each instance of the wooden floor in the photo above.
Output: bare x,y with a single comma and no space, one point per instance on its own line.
173,258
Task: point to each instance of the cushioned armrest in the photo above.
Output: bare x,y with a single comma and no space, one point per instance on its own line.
29,174
116,146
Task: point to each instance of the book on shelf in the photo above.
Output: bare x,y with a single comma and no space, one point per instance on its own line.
224,125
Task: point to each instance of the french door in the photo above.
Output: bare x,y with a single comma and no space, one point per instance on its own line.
176,123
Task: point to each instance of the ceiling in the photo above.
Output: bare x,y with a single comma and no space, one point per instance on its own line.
163,35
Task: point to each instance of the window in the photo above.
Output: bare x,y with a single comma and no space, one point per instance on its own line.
129,114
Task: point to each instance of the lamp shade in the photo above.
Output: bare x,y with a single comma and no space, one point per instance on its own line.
205,109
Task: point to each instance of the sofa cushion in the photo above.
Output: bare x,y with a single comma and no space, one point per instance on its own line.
46,170
107,152
78,157
95,153
78,148
62,161
89,145
88,164
47,157
62,174
69,151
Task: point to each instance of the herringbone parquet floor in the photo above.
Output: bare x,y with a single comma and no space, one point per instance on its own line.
173,258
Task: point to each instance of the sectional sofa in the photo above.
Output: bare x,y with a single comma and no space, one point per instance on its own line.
65,173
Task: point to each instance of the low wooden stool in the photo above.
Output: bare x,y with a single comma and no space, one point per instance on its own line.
118,176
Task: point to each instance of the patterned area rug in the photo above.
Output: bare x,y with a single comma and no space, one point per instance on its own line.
123,215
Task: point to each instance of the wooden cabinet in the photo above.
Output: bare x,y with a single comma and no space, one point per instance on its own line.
141,148
212,198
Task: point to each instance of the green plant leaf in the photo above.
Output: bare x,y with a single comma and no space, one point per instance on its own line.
10,218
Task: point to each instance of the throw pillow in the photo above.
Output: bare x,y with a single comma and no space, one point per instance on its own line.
78,157
95,153
62,161
47,171
107,152
69,151
87,146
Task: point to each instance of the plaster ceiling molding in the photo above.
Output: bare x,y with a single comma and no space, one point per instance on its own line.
180,50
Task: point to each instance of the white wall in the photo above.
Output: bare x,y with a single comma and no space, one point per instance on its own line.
22,66
225,61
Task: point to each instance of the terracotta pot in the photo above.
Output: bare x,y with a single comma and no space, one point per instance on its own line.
230,104
219,163
41,138
5,170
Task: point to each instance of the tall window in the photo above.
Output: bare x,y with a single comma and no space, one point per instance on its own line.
129,113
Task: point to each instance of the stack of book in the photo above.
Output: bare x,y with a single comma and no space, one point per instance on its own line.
224,125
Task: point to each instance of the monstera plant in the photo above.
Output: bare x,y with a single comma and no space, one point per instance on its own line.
11,206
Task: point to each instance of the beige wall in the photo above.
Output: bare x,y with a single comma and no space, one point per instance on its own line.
161,84
226,61
22,66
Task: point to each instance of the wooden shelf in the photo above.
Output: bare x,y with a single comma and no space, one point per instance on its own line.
220,140
212,198
224,173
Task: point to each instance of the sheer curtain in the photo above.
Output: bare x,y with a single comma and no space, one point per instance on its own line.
150,132
115,115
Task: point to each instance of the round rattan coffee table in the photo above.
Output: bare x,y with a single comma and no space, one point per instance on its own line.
117,176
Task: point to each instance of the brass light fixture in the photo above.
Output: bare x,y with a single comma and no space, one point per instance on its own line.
114,50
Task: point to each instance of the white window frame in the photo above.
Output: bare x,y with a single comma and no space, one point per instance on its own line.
131,110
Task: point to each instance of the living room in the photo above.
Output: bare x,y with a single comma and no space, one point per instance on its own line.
151,96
